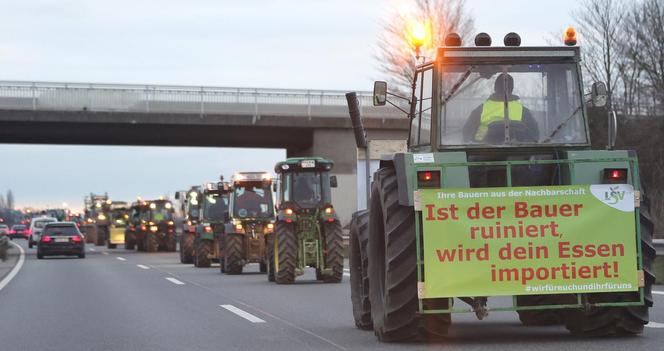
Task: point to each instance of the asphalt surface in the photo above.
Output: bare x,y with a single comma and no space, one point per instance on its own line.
124,300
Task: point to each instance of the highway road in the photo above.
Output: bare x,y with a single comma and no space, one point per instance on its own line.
125,300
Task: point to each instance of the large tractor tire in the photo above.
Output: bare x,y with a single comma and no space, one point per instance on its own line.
222,261
359,262
605,321
285,255
269,253
91,234
233,254
393,269
203,250
102,234
171,243
541,317
151,243
334,252
186,248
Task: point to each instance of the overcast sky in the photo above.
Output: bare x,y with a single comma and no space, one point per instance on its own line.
313,44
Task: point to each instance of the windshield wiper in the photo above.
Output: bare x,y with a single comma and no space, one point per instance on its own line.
561,125
458,84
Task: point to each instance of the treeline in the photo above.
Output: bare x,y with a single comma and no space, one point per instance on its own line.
622,44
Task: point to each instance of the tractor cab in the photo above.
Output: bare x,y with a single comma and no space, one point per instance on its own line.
251,196
305,186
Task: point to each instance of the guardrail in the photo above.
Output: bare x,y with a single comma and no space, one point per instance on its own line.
36,96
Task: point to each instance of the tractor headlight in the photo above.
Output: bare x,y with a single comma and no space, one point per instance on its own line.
154,228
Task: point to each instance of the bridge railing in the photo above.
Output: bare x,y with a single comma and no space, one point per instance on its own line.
254,102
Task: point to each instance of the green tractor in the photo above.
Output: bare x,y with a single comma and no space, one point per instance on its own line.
192,202
307,231
137,211
250,222
210,227
97,224
155,229
499,196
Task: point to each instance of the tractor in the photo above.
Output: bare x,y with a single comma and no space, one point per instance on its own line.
119,216
499,202
154,229
250,221
191,201
210,227
97,213
307,231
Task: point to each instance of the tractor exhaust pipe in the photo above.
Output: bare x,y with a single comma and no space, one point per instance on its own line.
356,120
360,137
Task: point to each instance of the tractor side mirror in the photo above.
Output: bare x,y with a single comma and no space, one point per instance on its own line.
274,187
333,182
177,195
380,93
598,94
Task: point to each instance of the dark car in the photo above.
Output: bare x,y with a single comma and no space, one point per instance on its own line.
61,238
19,231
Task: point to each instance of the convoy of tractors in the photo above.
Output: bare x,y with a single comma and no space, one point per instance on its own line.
284,224
490,127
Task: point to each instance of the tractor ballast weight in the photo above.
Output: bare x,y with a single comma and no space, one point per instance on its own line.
250,222
498,157
307,230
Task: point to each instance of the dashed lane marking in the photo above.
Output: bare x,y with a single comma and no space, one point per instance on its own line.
105,253
142,266
246,315
658,292
121,258
655,325
92,249
174,281
16,268
346,274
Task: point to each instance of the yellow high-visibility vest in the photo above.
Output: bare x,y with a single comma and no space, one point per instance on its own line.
494,111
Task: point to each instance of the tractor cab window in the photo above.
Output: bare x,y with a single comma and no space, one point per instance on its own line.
215,206
252,200
420,128
501,105
160,213
119,217
307,189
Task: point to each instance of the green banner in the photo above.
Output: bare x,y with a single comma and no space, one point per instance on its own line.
528,240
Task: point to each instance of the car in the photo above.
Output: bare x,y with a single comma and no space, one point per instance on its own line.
36,227
4,229
60,238
18,231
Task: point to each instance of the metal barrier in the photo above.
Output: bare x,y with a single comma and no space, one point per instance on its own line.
37,96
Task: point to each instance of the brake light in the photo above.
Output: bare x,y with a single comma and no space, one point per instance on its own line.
12,231
428,179
46,239
615,176
76,239
143,227
29,231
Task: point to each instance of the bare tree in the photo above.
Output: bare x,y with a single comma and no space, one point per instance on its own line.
599,23
395,51
645,24
10,199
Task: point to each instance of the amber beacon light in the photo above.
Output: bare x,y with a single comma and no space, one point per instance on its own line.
570,36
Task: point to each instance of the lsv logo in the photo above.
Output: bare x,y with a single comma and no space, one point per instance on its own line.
613,196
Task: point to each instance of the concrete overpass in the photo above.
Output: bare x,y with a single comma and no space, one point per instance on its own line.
304,122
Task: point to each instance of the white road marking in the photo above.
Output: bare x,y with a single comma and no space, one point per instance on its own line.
655,325
346,274
105,253
92,249
16,268
174,281
246,315
658,292
142,266
346,270
121,258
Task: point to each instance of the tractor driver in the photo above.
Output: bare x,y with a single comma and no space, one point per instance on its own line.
482,126
250,201
303,190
